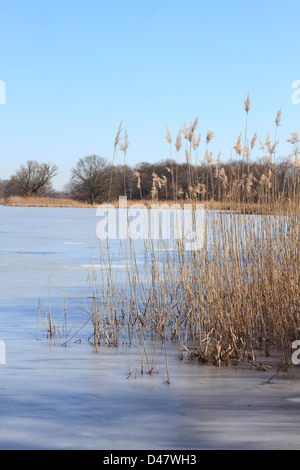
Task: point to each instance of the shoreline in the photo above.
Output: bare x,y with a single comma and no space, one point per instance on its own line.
247,208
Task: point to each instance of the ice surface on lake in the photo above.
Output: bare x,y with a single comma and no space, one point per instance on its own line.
54,397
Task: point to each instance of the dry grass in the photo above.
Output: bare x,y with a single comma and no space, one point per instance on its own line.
221,304
210,205
42,202
234,297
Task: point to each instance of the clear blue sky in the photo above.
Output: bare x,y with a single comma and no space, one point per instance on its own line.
74,69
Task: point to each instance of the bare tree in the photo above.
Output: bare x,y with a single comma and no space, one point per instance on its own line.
33,179
90,179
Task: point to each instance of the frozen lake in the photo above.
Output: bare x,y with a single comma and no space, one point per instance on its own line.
54,397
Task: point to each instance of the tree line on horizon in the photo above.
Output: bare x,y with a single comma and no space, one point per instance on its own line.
95,180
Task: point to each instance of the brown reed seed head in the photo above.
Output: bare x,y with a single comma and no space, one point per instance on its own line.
238,147
138,176
168,136
117,139
223,177
253,141
247,104
178,141
247,150
278,118
249,183
209,137
163,180
191,133
269,146
195,124
294,139
262,147
208,157
195,142
184,131
125,146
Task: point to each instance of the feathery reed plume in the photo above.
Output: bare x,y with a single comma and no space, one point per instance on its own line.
178,141
202,189
197,142
249,182
184,131
153,191
247,109
269,178
194,125
123,148
156,179
117,139
294,139
178,144
262,147
138,176
208,157
277,122
268,145
278,119
191,131
247,150
223,177
209,137
155,183
169,140
247,104
262,180
168,136
253,141
237,147
164,183
194,142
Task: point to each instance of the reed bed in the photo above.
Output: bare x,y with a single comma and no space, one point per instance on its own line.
235,297
238,295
